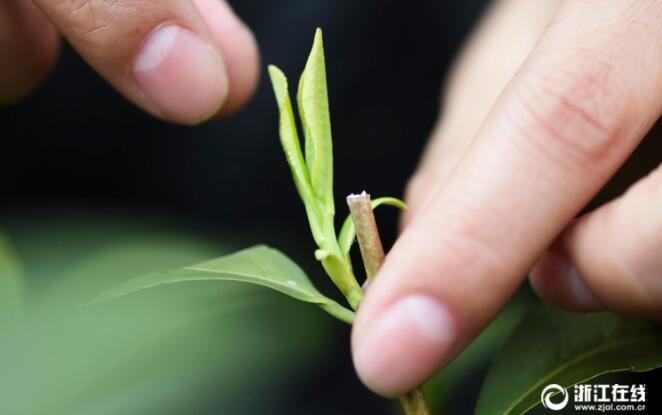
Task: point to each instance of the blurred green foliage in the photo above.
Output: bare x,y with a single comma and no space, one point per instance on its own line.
189,348
11,284
551,346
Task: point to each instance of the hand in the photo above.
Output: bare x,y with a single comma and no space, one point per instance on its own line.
180,60
488,206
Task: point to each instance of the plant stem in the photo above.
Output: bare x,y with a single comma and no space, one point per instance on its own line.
372,252
370,244
414,402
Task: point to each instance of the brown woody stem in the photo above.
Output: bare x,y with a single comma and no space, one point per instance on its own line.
414,402
370,244
372,252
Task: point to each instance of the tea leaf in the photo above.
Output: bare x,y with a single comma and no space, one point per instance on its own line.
570,348
312,99
347,232
258,265
313,103
289,140
11,283
289,137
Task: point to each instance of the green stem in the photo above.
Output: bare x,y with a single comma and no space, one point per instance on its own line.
339,312
372,253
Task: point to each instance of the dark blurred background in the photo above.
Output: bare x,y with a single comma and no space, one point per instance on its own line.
76,144
78,141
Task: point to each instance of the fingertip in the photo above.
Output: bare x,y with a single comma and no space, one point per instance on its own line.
243,63
239,48
555,279
399,348
182,76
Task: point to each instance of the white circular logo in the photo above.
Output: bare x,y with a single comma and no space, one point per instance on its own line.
551,390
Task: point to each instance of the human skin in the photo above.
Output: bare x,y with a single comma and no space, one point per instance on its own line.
184,61
545,103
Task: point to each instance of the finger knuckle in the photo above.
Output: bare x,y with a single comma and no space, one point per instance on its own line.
576,115
90,16
93,22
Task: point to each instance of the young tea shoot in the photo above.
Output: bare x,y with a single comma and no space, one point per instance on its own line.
313,173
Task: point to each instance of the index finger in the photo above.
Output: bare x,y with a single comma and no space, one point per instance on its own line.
572,114
180,60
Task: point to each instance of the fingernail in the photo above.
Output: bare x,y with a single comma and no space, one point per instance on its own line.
405,345
579,290
555,274
184,77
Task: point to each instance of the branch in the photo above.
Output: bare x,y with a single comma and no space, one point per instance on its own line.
372,252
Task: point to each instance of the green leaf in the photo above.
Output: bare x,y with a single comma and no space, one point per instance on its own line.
289,140
11,283
347,232
317,191
553,346
258,265
313,103
181,348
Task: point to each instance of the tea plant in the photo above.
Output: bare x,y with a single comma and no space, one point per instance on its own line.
313,179
569,348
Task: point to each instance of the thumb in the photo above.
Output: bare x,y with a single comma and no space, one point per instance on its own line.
579,105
